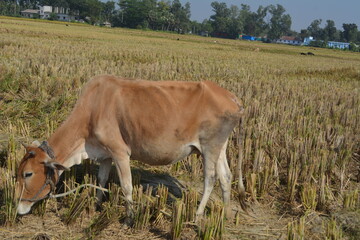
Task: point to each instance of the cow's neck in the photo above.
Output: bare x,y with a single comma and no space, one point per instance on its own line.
68,141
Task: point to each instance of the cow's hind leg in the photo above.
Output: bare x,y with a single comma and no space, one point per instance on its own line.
210,159
224,174
103,175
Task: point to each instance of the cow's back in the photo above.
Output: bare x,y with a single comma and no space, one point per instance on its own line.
157,118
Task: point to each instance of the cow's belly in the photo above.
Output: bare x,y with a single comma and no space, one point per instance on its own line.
95,151
162,154
153,153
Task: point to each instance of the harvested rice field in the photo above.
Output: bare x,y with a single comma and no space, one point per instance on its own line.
300,141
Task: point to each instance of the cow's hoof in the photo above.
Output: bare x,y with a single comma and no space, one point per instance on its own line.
128,223
199,218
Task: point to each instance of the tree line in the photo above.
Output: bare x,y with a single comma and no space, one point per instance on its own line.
147,14
349,33
91,10
270,21
234,20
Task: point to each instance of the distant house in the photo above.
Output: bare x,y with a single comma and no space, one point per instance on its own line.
105,24
341,45
330,44
45,12
288,40
65,14
30,13
204,33
308,40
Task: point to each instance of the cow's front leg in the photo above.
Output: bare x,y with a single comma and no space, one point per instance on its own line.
122,163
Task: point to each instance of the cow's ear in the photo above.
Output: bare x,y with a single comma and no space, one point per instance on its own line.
55,166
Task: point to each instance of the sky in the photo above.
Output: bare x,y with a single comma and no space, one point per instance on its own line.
302,12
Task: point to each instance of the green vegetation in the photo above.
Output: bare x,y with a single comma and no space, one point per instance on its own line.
270,21
301,133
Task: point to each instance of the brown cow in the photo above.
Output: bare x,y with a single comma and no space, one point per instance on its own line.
158,123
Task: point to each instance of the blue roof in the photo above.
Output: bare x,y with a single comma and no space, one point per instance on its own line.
247,37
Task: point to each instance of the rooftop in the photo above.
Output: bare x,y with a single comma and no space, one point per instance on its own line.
30,11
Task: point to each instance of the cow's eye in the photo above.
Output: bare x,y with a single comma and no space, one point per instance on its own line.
28,174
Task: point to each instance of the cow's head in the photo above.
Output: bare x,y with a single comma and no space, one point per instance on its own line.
37,175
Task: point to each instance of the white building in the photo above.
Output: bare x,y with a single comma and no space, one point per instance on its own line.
64,14
45,12
330,44
308,40
288,40
341,45
105,24
30,13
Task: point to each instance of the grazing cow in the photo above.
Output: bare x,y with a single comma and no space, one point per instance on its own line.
158,123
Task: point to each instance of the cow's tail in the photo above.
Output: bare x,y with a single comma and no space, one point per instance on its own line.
241,188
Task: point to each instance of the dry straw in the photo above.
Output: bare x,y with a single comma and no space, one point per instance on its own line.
213,225
301,121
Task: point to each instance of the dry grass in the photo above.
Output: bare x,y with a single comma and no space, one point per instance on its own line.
302,122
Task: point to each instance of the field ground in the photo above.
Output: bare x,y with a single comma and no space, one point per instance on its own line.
301,137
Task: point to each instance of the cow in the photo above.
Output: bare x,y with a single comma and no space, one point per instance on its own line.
157,122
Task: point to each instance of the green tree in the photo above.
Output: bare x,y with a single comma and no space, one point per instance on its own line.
245,19
315,30
92,9
350,32
53,16
195,27
131,15
261,25
220,20
280,23
255,24
186,14
206,26
330,32
9,7
353,47
181,16
108,10
318,43
304,33
165,19
234,25
78,5
53,3
29,4
153,14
